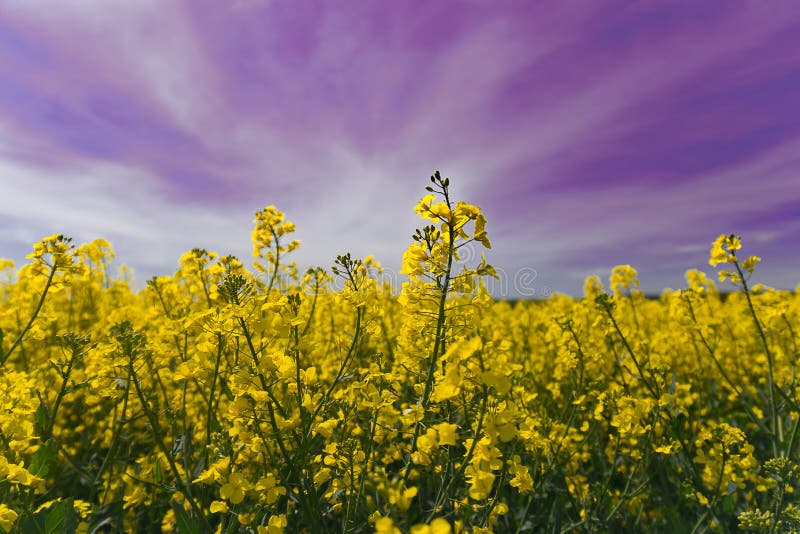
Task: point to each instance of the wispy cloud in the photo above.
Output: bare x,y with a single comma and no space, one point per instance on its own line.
590,136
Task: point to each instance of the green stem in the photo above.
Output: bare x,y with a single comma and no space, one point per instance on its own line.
467,457
342,367
159,438
51,422
437,344
645,381
7,354
118,424
210,412
777,427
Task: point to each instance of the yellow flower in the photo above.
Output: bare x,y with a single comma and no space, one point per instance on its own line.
592,288
413,258
497,380
522,477
275,526
450,386
385,525
7,517
480,231
46,505
448,433
723,249
234,490
437,526
219,506
436,212
268,489
216,473
749,264
664,449
623,277
327,427
428,441
402,498
718,254
480,482
19,475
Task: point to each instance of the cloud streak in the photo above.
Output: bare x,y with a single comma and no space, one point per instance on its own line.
590,136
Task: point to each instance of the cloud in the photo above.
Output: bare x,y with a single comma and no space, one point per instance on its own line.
146,44
582,132
122,204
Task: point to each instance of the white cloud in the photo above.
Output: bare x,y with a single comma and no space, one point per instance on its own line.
122,204
145,43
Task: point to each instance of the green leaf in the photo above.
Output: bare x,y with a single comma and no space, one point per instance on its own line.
42,418
159,472
76,386
107,518
728,504
186,525
57,369
61,518
58,518
44,460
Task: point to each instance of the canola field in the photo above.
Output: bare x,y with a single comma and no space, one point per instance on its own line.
237,396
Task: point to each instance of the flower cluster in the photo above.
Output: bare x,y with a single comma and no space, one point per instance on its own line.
224,399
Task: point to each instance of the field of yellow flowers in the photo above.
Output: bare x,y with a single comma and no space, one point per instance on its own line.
229,399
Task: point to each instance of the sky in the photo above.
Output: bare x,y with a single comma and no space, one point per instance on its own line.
590,133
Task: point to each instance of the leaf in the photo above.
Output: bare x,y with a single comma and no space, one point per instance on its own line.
199,467
61,518
44,460
100,525
159,472
106,518
42,418
57,369
186,525
76,386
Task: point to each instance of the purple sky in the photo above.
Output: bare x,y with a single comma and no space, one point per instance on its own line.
592,133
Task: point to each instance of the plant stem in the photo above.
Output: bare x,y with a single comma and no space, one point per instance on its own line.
7,354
